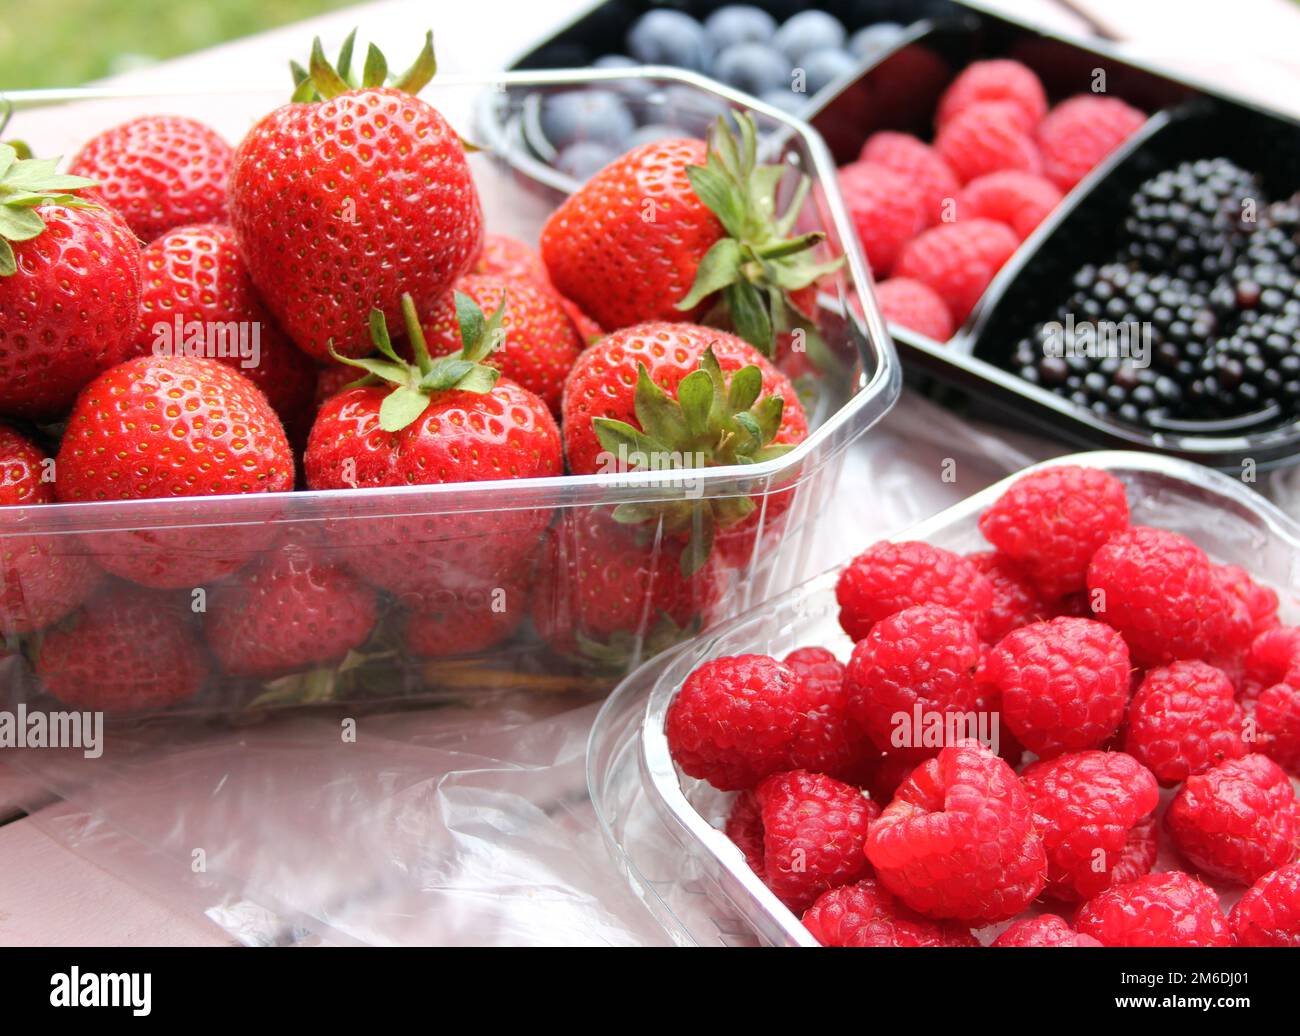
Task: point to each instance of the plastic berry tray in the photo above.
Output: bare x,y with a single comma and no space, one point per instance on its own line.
845,391
663,829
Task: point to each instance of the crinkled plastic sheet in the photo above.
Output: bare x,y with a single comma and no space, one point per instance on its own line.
465,824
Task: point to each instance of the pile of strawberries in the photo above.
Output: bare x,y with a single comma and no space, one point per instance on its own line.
938,220
996,746
397,344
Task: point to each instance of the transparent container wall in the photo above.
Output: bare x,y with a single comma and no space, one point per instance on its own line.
664,829
474,587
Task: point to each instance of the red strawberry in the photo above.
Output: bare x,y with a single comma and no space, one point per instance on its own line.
126,650
196,299
448,420
291,610
69,287
506,257
540,342
631,244
468,616
42,578
342,205
645,397
159,172
173,427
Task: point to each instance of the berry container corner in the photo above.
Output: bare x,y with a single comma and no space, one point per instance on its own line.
846,388
663,829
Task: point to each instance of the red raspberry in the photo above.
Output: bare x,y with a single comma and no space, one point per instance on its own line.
888,577
1238,821
828,740
915,306
734,720
1086,806
1043,930
1159,589
1052,522
1260,601
913,669
1020,200
1183,720
1139,853
1269,912
1172,909
811,829
1276,713
1274,657
958,260
1080,132
1016,601
1064,684
886,210
958,841
887,771
997,80
985,138
919,163
866,914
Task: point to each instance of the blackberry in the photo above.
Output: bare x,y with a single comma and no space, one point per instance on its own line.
1253,369
1188,220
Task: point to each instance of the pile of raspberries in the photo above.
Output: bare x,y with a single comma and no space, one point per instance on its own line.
1113,660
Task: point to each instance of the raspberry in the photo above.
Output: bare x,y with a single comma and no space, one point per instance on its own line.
1172,909
958,841
1086,806
1183,720
998,80
887,771
828,740
1260,601
1064,684
1052,522
1159,589
888,577
811,829
1020,200
958,260
1238,821
1268,914
734,720
1139,853
886,210
919,163
985,138
915,306
1080,132
1274,656
866,914
1016,601
1277,722
920,664
1043,930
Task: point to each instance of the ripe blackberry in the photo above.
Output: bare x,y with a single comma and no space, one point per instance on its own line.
1188,220
1253,369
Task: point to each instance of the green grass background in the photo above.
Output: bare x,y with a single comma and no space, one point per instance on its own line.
53,43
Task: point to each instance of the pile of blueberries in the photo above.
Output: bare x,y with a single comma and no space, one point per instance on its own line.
739,44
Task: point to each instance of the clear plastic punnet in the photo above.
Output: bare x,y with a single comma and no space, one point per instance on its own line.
455,532
664,830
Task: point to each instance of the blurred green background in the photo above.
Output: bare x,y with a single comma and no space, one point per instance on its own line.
68,42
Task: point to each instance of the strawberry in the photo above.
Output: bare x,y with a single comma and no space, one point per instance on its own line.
159,172
681,230
69,287
125,650
343,203
453,419
468,615
173,427
670,395
542,343
292,609
513,260
196,298
42,578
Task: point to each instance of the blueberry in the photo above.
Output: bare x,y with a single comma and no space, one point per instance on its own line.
651,132
752,67
785,100
808,31
874,40
635,88
663,37
823,67
590,116
585,159
690,109
739,23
